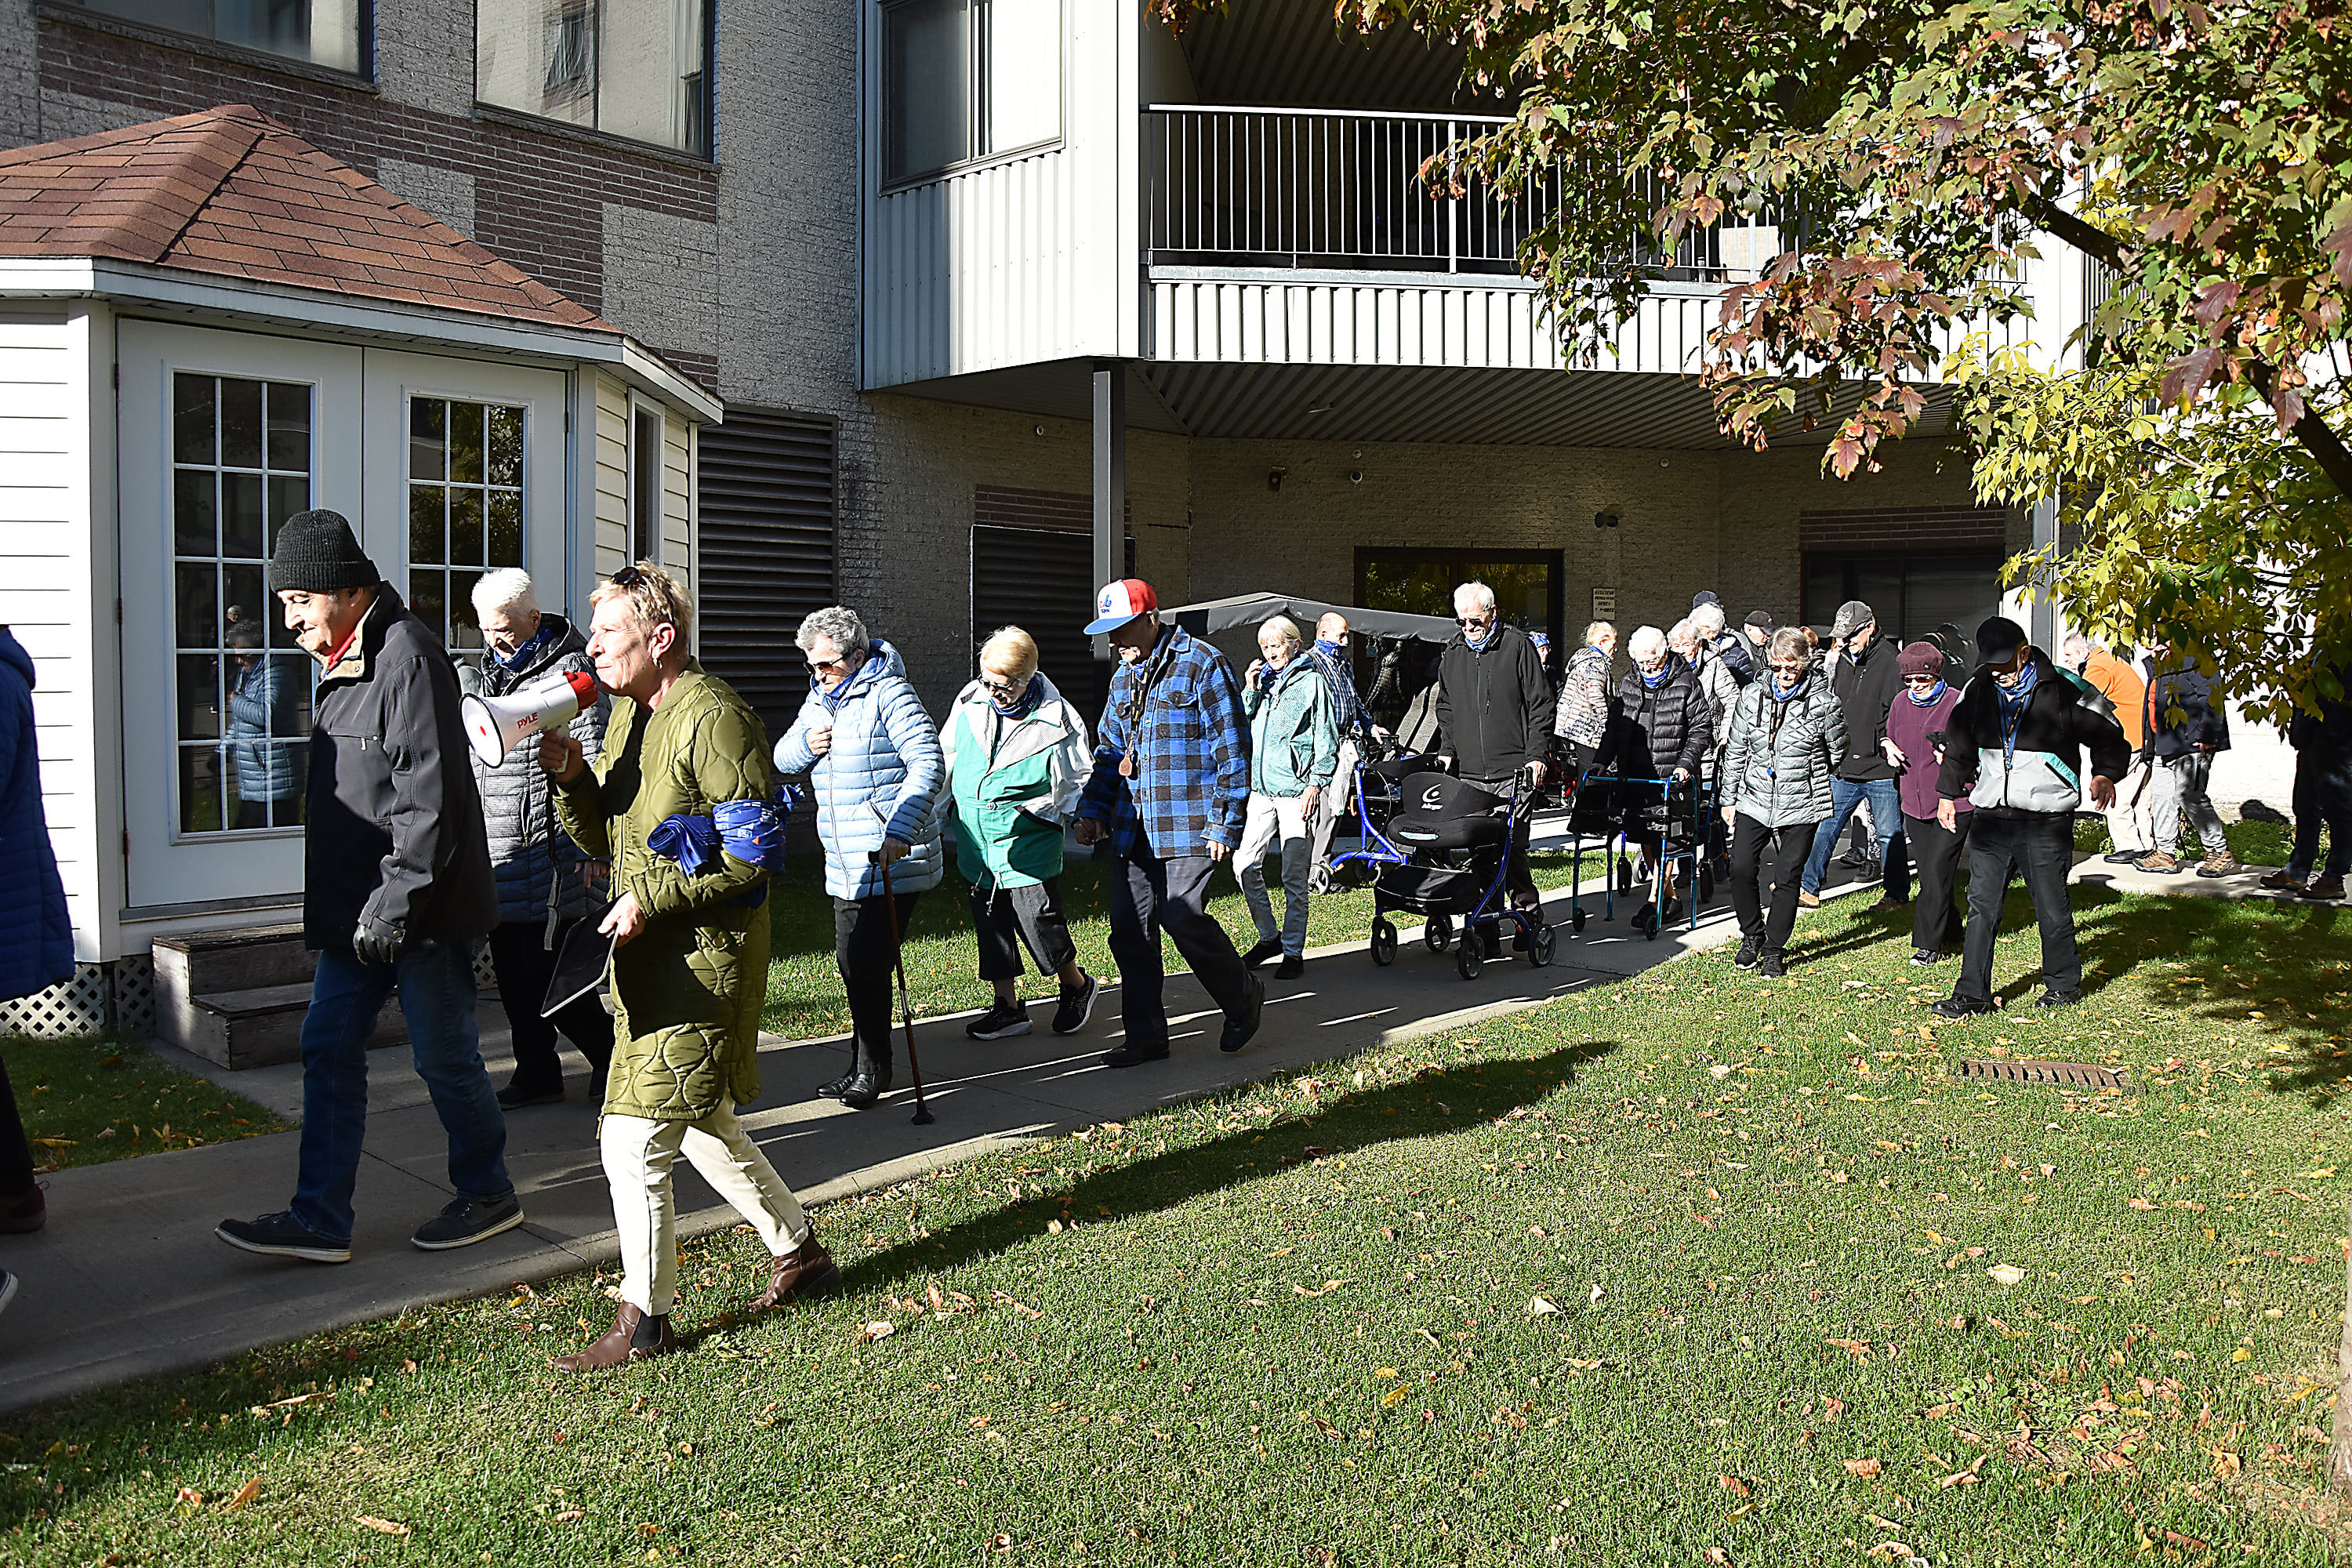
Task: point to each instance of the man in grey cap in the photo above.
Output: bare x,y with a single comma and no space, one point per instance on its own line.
2014,748
1866,682
397,895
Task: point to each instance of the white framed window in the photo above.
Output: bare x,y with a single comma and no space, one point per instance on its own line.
332,33
638,69
964,79
467,462
242,455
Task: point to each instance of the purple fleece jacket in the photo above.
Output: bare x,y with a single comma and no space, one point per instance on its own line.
1908,725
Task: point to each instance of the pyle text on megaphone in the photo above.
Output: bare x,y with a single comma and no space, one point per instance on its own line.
496,725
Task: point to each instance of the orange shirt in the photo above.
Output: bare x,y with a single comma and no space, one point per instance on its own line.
2122,686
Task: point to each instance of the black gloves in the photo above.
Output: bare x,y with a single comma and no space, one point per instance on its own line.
375,942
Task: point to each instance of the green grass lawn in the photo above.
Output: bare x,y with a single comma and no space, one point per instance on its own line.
1692,1269
86,1101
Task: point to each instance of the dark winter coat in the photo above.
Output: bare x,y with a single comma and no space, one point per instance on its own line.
1656,730
1777,762
394,829
1866,688
530,851
2182,714
2328,731
2038,767
1738,655
1494,705
36,946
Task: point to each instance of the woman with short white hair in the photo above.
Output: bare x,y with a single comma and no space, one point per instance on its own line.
1018,757
1294,751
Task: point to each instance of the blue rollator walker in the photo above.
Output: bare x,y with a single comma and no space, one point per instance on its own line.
1442,857
1616,810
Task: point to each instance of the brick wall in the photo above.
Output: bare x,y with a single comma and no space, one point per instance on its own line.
1914,529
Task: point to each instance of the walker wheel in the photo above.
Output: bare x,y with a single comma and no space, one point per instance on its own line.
1438,934
1624,875
1384,943
1540,950
1467,961
1649,926
1576,922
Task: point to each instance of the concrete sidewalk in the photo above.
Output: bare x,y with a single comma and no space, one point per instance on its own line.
129,1282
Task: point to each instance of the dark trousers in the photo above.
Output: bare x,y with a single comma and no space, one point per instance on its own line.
2040,847
2322,794
862,951
1936,923
1762,856
1518,877
15,1152
524,965
1006,918
1148,896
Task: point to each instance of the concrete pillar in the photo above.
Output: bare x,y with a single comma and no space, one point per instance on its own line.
1110,479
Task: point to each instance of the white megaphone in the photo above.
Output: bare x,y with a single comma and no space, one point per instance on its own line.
495,725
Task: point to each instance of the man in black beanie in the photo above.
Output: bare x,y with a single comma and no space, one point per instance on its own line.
397,895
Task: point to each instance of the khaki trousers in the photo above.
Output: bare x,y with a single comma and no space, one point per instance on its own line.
639,1156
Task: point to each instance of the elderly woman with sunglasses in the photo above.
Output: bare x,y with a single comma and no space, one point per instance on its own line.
874,759
1018,758
1788,733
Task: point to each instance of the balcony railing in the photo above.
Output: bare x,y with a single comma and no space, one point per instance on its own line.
1342,190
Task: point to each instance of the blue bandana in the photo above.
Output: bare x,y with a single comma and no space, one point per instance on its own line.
1328,648
1929,700
531,647
1478,645
1782,693
1023,705
1652,682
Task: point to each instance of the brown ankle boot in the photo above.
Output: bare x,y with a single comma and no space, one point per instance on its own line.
618,1347
806,1270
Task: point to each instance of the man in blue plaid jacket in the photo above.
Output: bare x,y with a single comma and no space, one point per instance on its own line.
1170,791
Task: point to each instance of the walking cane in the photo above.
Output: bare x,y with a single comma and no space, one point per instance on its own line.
923,1117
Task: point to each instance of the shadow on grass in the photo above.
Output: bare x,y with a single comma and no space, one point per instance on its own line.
1434,1101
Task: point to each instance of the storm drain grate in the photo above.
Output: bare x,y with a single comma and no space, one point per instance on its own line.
2072,1075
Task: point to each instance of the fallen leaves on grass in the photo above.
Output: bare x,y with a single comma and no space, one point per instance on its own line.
1866,1469
381,1526
881,1329
1858,1349
1323,1289
245,1494
2006,1274
1541,1307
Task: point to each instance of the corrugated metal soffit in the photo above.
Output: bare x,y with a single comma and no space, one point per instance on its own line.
769,502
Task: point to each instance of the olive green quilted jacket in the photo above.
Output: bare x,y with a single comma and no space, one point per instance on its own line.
687,990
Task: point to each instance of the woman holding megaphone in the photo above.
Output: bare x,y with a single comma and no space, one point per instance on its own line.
543,877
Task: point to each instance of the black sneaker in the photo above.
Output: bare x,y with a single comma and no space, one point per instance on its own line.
1239,1031
517,1094
467,1221
1959,1007
1926,958
280,1235
2056,999
1270,948
1772,965
1076,1007
2124,857
1291,967
7,1289
1134,1053
2327,887
1001,1021
1751,949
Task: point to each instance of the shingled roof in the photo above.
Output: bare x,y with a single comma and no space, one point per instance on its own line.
235,194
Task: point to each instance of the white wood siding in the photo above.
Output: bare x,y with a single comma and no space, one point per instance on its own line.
46,570
612,499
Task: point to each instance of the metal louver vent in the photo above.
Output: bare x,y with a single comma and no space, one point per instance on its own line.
2069,1075
767,498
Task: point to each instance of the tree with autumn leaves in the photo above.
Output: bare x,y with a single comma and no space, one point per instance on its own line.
1915,159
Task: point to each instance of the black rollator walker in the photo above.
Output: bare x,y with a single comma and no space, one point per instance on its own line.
1444,855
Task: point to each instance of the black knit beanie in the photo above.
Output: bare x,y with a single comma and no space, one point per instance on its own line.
316,553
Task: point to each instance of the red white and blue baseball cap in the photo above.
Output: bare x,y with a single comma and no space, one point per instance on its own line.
1122,602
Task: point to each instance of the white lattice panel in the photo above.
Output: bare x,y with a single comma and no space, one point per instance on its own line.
134,996
76,1006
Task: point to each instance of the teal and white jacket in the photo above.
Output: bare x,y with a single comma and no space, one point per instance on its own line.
2028,756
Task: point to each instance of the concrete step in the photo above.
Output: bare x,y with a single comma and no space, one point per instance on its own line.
262,1026
216,963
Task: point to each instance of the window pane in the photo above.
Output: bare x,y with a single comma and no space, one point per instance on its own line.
192,418
199,696
503,463
288,811
325,32
428,588
240,419
241,530
926,86
287,496
505,527
466,443
289,427
292,716
192,511
249,602
465,632
426,510
466,527
429,439
538,56
199,800
1024,73
195,594
653,77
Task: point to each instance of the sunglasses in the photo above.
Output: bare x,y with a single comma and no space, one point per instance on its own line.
628,577
1473,620
822,664
1920,679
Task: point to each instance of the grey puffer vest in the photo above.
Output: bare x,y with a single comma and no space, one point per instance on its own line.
530,851
1782,754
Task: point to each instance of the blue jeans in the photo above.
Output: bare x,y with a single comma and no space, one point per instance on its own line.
437,998
1885,819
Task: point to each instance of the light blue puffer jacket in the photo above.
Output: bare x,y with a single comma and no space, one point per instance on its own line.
881,780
